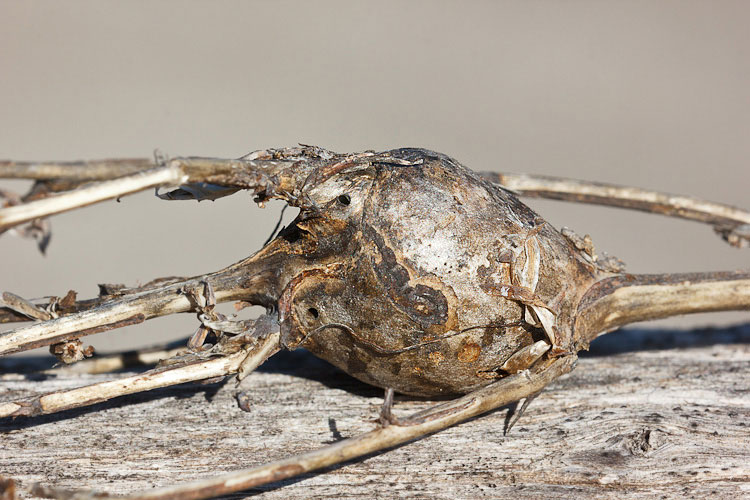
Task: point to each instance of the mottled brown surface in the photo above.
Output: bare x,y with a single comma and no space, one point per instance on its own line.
407,270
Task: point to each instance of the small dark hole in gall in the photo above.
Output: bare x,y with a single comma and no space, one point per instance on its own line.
344,199
313,312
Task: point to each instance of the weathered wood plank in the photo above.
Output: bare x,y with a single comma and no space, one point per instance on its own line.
649,414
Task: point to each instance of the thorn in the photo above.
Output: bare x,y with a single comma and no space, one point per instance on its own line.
386,417
515,413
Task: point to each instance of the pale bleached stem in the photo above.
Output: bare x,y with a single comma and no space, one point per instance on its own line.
253,279
22,306
199,169
234,174
266,348
74,170
620,196
9,312
620,300
507,390
90,194
153,379
114,314
233,283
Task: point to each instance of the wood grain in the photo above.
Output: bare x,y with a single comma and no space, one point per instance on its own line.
647,414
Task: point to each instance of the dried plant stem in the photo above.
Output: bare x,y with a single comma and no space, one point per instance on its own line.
558,188
74,170
89,194
126,176
441,416
232,283
114,314
240,174
10,315
197,169
22,307
620,300
153,379
108,317
11,310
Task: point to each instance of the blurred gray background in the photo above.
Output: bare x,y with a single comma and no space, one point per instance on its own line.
651,94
